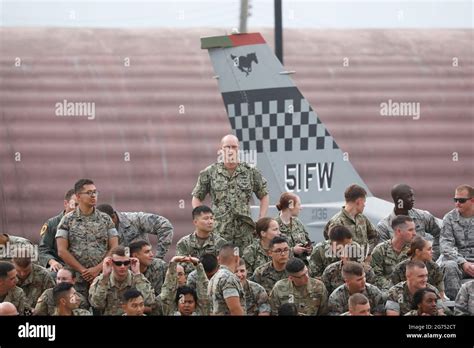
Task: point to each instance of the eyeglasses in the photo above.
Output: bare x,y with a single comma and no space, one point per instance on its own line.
281,251
461,200
90,193
120,263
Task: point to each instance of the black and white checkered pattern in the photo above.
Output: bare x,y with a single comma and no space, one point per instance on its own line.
267,126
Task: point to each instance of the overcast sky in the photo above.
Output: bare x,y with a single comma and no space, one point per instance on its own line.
225,13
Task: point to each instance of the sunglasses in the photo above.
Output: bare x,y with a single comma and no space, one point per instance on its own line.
461,200
120,263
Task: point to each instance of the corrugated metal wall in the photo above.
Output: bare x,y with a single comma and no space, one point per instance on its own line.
165,111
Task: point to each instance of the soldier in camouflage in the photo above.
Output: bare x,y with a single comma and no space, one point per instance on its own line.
330,251
66,301
256,298
390,253
85,236
32,278
457,241
359,305
332,275
134,226
225,292
176,298
119,273
154,269
9,292
400,296
133,304
421,249
211,266
424,303
425,223
256,254
230,184
10,244
465,299
202,240
298,238
350,216
269,273
354,282
309,294
46,305
48,250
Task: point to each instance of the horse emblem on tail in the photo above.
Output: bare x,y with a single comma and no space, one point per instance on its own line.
244,63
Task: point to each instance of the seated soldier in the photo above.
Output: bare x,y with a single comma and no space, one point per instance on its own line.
210,264
354,282
359,305
32,278
465,299
309,294
256,298
421,249
133,303
329,251
269,273
119,273
9,292
45,304
66,301
400,296
424,303
390,253
170,293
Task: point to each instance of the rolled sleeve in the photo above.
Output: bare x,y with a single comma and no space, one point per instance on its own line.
112,232
62,234
230,293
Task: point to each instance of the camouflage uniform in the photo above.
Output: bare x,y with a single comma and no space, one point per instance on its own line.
75,312
400,300
170,287
17,297
465,300
435,274
14,242
139,225
256,298
88,238
46,306
48,249
339,299
425,225
311,299
295,233
35,284
106,293
332,275
230,195
384,260
224,284
267,276
194,246
255,256
155,274
363,232
323,255
457,247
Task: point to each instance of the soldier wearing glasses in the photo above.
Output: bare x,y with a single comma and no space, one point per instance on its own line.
120,273
457,241
85,236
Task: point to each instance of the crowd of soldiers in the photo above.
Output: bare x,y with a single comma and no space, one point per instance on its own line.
94,260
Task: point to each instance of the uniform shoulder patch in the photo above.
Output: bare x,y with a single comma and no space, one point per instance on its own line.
43,229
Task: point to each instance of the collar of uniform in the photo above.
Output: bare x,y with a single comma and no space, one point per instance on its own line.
346,214
79,214
29,279
456,215
221,169
194,238
127,281
405,249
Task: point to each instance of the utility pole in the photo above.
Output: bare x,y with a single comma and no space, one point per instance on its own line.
244,11
278,31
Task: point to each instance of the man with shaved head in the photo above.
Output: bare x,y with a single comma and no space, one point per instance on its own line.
425,223
231,183
7,309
